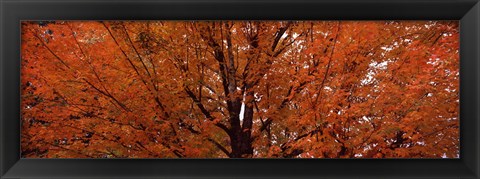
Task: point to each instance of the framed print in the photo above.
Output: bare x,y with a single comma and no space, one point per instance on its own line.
150,89
244,89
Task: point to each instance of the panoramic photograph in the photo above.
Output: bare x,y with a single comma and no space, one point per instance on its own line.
240,89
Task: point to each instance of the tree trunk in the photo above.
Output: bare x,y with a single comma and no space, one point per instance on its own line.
241,135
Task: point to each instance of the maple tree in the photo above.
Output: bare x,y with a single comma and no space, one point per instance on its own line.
240,89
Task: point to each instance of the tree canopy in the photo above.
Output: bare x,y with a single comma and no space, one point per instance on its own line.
240,89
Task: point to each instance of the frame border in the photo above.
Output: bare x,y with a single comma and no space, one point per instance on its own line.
13,11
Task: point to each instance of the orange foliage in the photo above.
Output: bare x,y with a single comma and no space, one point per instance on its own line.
262,89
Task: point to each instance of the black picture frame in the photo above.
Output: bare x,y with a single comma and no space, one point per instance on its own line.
13,11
